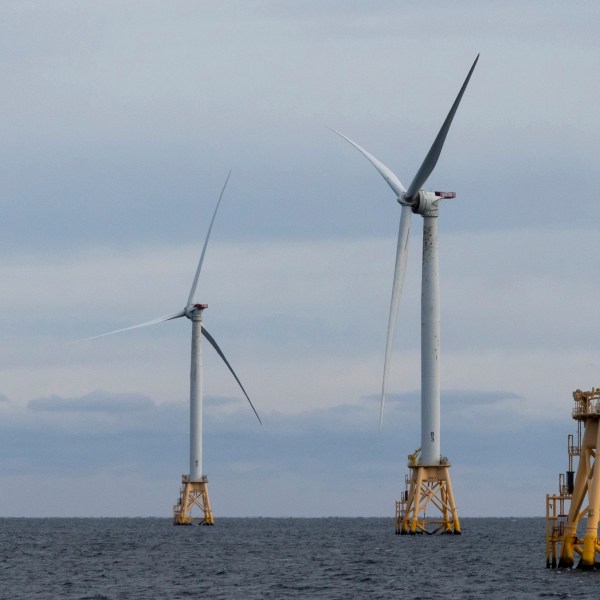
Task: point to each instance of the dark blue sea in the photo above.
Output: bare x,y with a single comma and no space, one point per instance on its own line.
332,558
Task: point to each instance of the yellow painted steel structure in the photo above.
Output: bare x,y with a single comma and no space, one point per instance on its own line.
576,533
194,494
428,487
556,518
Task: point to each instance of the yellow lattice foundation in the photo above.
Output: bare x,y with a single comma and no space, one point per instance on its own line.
194,494
586,486
429,488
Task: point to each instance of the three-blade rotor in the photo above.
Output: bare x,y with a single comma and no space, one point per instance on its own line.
191,307
408,199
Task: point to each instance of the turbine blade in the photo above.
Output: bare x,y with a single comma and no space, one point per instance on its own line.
431,159
385,171
214,344
176,315
399,271
197,275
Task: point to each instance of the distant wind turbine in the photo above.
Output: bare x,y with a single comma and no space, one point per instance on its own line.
194,490
430,478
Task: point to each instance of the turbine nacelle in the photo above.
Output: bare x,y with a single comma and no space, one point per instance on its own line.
191,309
425,203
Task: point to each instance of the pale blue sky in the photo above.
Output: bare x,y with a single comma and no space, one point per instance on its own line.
120,123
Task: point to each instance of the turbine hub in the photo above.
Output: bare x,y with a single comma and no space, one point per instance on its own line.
190,309
426,203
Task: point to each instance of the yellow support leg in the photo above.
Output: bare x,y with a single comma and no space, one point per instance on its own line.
588,559
579,490
430,488
194,494
452,505
570,544
416,501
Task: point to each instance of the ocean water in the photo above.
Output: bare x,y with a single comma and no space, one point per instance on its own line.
332,558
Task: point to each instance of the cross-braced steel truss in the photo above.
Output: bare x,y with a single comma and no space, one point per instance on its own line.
193,495
429,489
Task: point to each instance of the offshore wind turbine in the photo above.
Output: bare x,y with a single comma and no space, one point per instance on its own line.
194,490
430,484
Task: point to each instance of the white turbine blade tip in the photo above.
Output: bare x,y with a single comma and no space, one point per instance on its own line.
431,159
389,176
214,344
212,221
145,324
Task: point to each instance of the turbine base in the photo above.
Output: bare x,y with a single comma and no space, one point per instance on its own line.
427,487
193,494
573,514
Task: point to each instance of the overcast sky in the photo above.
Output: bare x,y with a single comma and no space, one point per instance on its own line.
120,122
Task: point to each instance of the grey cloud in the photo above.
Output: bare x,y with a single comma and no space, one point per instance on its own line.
474,397
129,414
471,397
395,398
324,451
220,401
116,157
98,401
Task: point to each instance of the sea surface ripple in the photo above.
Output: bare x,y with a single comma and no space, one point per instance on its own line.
260,558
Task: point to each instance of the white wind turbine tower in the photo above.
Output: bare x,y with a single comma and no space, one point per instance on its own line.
194,491
430,477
